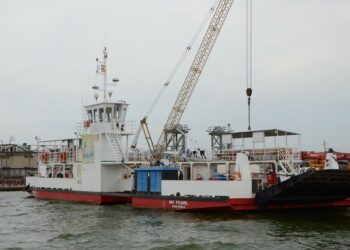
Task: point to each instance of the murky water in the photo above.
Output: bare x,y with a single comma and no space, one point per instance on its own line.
27,223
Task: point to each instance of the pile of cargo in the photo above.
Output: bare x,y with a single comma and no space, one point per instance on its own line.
316,160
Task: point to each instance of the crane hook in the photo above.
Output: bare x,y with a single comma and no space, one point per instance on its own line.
249,93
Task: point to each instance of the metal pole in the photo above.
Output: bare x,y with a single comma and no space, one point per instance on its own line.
76,146
37,150
1,154
127,147
2,143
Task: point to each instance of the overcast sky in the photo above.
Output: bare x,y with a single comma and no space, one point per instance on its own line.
301,72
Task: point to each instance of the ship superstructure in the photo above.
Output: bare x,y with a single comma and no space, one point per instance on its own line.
92,166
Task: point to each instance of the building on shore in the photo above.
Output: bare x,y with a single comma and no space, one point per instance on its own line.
17,160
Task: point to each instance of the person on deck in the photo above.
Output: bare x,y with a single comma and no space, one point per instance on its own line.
181,176
184,156
202,153
194,153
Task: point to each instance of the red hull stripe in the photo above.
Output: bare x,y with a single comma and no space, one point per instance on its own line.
185,204
80,197
228,205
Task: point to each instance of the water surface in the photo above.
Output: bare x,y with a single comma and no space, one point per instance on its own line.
27,223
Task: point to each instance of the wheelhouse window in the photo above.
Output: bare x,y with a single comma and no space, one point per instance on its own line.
90,115
109,114
116,113
95,115
101,111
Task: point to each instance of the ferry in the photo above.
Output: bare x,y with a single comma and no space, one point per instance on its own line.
243,171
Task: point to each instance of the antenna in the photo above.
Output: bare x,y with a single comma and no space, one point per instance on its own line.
325,146
96,96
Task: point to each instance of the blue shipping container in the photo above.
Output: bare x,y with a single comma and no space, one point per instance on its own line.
156,179
149,180
142,182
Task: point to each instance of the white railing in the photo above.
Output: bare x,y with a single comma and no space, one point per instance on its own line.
221,129
138,155
80,128
189,156
267,154
287,160
226,155
128,127
64,157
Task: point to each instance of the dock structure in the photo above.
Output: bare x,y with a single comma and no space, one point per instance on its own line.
16,162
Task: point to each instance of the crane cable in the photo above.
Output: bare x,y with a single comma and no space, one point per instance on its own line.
249,55
182,58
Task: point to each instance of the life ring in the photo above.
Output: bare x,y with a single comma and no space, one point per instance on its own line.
44,157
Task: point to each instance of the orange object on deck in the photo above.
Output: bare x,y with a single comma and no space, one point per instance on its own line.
63,156
271,179
87,124
44,157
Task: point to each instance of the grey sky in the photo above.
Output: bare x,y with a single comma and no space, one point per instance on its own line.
300,68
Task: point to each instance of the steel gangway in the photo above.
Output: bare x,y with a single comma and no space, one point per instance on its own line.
114,141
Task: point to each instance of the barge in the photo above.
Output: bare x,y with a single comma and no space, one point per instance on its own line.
249,179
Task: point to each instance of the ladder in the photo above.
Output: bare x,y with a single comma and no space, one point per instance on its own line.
115,143
288,163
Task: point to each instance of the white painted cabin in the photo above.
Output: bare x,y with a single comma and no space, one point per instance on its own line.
95,160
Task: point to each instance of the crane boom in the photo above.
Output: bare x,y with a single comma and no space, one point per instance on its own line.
196,69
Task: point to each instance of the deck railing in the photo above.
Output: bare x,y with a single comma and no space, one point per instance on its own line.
128,127
268,154
64,156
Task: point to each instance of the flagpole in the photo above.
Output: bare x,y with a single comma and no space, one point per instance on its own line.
105,74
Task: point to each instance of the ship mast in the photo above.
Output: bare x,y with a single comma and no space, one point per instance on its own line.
101,69
104,72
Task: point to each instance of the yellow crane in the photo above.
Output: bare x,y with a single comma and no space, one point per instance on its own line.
171,127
